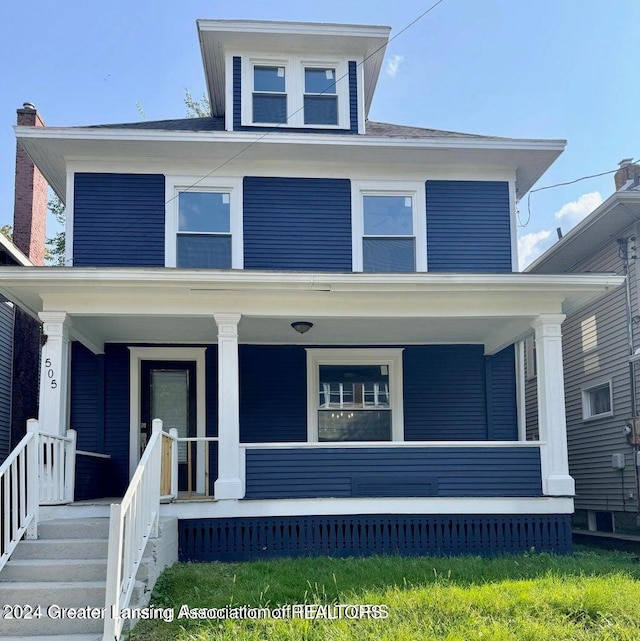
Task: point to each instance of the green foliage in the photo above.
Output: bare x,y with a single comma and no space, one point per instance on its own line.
7,231
590,596
196,108
54,251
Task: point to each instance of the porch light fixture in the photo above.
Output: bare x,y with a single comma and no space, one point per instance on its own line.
302,327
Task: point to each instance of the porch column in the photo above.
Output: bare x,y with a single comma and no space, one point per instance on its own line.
54,373
229,484
551,412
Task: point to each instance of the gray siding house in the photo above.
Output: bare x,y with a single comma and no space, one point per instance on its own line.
601,350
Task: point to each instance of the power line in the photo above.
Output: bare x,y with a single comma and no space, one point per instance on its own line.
563,184
275,127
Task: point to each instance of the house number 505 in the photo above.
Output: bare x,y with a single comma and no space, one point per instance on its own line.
50,374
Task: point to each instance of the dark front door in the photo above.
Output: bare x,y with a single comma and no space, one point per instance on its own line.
169,393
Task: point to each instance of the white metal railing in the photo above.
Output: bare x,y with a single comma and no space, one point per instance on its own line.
57,466
19,496
132,523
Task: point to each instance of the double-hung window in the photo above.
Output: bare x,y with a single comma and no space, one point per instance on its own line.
295,92
389,228
269,94
354,394
203,225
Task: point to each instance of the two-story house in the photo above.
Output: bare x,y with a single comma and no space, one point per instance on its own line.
325,308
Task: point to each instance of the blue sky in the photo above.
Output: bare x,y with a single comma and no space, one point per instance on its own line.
531,69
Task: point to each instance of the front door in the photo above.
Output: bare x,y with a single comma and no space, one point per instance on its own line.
169,393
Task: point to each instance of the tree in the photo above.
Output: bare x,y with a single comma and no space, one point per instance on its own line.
7,231
54,252
196,108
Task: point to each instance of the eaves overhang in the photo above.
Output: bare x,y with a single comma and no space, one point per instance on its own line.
51,148
365,43
604,225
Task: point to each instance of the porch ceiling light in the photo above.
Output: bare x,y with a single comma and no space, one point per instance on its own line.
302,327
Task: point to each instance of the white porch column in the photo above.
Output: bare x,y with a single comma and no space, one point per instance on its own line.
54,373
551,412
230,484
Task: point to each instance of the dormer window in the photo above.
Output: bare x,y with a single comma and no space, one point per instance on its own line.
320,98
295,93
269,94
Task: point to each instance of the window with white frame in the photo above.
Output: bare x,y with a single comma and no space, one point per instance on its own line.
203,227
597,401
389,228
354,395
295,93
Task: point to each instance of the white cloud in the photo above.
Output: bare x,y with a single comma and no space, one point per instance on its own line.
530,246
393,64
576,210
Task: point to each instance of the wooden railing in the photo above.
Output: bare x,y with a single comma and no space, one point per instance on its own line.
57,466
19,495
132,523
202,445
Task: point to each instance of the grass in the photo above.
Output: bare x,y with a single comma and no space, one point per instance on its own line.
592,595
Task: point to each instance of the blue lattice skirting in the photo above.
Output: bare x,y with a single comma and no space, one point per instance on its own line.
242,539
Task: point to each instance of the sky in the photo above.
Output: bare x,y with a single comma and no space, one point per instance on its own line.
555,69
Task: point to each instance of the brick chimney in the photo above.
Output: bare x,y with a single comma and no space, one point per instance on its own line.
30,209
628,171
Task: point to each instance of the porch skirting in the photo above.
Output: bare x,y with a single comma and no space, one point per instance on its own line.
243,539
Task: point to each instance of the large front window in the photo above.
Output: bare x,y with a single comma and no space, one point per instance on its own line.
355,394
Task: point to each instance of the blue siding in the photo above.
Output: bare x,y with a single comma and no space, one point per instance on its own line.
468,226
237,105
6,376
444,393
244,539
341,473
118,220
116,415
273,394
93,476
300,224
502,411
87,398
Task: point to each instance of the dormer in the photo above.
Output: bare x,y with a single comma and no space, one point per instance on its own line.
302,77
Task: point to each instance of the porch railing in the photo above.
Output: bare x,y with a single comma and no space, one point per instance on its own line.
18,496
57,467
202,444
132,523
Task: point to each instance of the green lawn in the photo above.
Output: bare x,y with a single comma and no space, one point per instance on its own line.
591,595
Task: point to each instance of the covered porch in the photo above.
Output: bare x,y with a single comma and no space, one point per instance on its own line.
446,350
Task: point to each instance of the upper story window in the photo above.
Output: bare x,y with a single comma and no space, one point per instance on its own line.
295,93
203,224
389,227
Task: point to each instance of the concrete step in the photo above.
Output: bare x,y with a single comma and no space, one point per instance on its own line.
54,570
74,529
61,605
61,549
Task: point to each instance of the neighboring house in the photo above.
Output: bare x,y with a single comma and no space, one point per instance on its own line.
601,344
326,306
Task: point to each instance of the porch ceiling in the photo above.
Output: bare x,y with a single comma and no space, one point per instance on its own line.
177,306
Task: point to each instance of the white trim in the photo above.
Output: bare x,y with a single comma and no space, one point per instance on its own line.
294,67
521,391
586,405
136,356
348,506
531,360
392,358
228,82
92,454
415,189
389,444
513,222
174,184
68,210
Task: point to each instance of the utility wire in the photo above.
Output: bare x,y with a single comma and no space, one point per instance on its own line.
275,127
563,184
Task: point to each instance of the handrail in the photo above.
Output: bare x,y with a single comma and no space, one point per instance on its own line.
19,495
132,523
